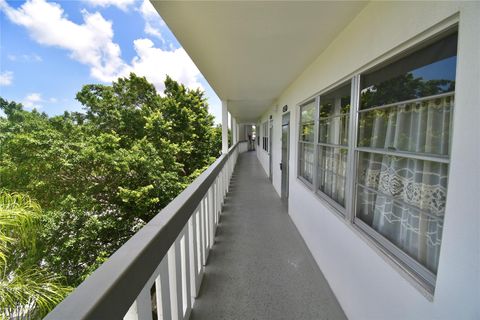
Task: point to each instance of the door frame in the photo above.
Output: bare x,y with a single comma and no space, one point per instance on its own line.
284,195
270,145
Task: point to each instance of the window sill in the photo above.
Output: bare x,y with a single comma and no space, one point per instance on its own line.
308,185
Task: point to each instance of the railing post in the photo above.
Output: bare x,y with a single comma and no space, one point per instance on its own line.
194,272
162,285
185,268
211,226
175,282
206,232
141,309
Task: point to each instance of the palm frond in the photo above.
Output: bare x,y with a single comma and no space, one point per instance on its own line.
31,293
19,216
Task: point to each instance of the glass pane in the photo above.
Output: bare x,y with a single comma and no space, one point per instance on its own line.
332,166
306,132
306,161
307,112
418,183
426,72
420,127
334,130
404,201
333,160
332,185
416,233
335,102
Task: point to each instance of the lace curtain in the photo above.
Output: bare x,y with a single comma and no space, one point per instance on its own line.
404,198
333,143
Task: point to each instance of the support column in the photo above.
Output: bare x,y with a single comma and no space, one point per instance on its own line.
224,127
234,130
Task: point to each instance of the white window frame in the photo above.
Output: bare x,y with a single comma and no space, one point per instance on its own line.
309,184
265,137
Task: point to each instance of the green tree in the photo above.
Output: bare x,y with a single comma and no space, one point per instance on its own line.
27,290
102,174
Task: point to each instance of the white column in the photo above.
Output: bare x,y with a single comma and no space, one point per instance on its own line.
234,130
224,127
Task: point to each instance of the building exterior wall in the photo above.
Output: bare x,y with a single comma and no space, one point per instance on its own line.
261,154
365,281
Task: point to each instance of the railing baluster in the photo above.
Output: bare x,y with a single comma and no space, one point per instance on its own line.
175,281
162,284
211,207
206,221
220,191
215,198
199,246
141,309
211,228
194,272
225,185
219,195
185,268
144,304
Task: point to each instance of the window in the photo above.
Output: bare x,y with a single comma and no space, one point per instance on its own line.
323,143
332,145
399,158
306,142
403,152
265,136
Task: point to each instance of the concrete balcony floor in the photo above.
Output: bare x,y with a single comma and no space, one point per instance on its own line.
260,267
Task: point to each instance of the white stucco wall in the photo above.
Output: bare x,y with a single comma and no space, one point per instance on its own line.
365,283
262,155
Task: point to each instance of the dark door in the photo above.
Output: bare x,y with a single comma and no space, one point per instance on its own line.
285,153
270,135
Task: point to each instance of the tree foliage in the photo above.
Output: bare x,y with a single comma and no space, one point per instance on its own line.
102,174
27,289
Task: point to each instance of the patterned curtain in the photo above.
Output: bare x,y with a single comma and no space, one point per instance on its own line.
404,198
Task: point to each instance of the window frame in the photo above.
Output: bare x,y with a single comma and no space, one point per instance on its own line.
420,276
428,278
315,100
313,186
265,137
339,209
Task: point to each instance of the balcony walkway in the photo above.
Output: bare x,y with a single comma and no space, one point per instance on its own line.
259,267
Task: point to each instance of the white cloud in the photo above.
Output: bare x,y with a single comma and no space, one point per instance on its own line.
53,100
89,43
147,9
121,4
32,101
155,63
32,57
153,21
25,57
6,78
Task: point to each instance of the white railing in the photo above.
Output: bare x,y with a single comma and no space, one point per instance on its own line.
160,268
242,146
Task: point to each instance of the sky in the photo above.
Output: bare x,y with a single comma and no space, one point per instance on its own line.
50,49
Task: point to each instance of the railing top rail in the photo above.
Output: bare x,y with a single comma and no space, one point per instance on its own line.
110,291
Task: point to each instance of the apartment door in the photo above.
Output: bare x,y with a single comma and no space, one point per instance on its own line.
270,136
285,153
